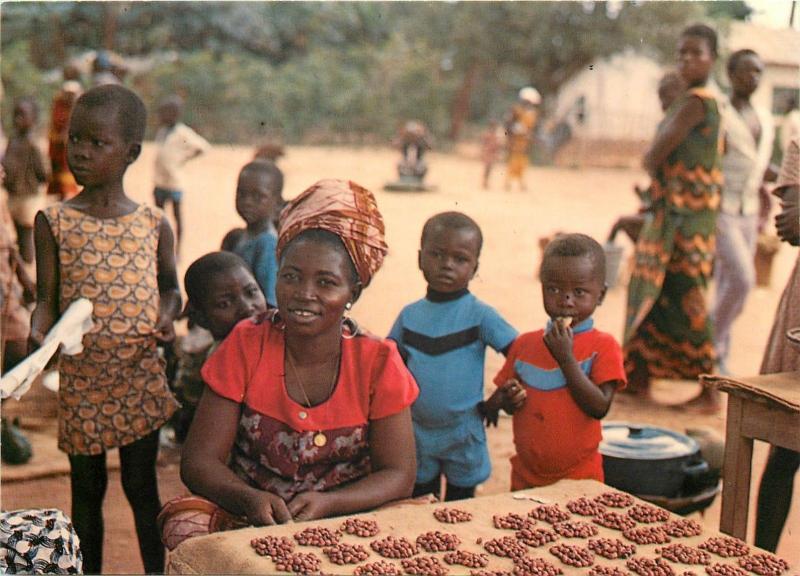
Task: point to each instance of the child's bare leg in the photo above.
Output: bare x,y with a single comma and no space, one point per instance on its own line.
433,487
775,496
709,401
139,482
88,482
453,493
25,242
638,380
176,208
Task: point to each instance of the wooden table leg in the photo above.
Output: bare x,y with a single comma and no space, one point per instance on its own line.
736,472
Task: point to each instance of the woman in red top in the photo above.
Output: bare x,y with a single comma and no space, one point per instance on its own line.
303,416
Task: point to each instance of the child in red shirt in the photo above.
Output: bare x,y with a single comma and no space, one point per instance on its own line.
559,381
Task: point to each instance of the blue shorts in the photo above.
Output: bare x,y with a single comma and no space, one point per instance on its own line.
458,451
164,194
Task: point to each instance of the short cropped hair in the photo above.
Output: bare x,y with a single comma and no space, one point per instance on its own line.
705,32
129,107
569,245
734,58
268,168
452,221
203,269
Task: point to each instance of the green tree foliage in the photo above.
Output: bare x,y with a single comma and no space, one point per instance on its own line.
330,70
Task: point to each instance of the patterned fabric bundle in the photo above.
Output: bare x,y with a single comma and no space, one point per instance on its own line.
345,209
38,541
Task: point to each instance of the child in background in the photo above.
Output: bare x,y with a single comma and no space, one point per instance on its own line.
62,184
258,194
25,172
177,144
221,291
491,144
569,372
443,340
103,246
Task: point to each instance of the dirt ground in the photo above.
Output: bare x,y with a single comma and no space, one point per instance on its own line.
586,200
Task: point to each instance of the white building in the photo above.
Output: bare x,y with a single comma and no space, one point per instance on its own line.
612,107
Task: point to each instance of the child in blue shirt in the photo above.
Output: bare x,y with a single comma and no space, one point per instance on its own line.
258,194
443,339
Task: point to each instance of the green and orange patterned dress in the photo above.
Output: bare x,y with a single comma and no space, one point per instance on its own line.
667,327
115,391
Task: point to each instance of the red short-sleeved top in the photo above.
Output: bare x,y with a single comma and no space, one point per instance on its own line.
553,437
274,448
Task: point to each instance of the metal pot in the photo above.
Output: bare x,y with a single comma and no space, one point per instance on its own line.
647,460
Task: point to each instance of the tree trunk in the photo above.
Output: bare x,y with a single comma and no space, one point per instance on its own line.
109,25
462,100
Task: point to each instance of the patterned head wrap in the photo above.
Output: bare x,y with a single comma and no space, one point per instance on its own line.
345,209
790,167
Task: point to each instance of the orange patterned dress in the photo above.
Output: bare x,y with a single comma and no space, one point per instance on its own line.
115,391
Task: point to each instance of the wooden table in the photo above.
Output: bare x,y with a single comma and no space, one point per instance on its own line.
231,553
764,408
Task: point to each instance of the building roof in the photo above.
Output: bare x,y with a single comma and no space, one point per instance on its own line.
778,46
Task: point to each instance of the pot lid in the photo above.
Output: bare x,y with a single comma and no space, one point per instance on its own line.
644,442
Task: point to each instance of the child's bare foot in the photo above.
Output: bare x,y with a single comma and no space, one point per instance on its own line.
707,402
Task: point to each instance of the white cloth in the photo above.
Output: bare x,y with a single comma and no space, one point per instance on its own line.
67,333
176,146
745,160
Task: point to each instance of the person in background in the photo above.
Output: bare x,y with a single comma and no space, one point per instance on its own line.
25,174
220,291
62,185
749,135
670,88
563,377
777,483
520,124
176,144
104,71
668,332
16,290
103,246
442,339
491,144
258,193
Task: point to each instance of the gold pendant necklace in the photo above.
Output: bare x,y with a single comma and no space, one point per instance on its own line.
319,438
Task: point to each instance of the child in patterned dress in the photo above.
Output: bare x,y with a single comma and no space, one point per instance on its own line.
103,246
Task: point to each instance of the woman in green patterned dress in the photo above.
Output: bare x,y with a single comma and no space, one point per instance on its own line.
667,328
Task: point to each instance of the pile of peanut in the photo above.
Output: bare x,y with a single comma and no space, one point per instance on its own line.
611,548
437,541
451,515
570,555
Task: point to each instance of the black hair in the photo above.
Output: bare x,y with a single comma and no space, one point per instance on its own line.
30,100
569,245
330,239
452,221
269,169
705,32
734,58
129,107
204,268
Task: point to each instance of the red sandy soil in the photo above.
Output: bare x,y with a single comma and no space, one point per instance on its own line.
586,200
